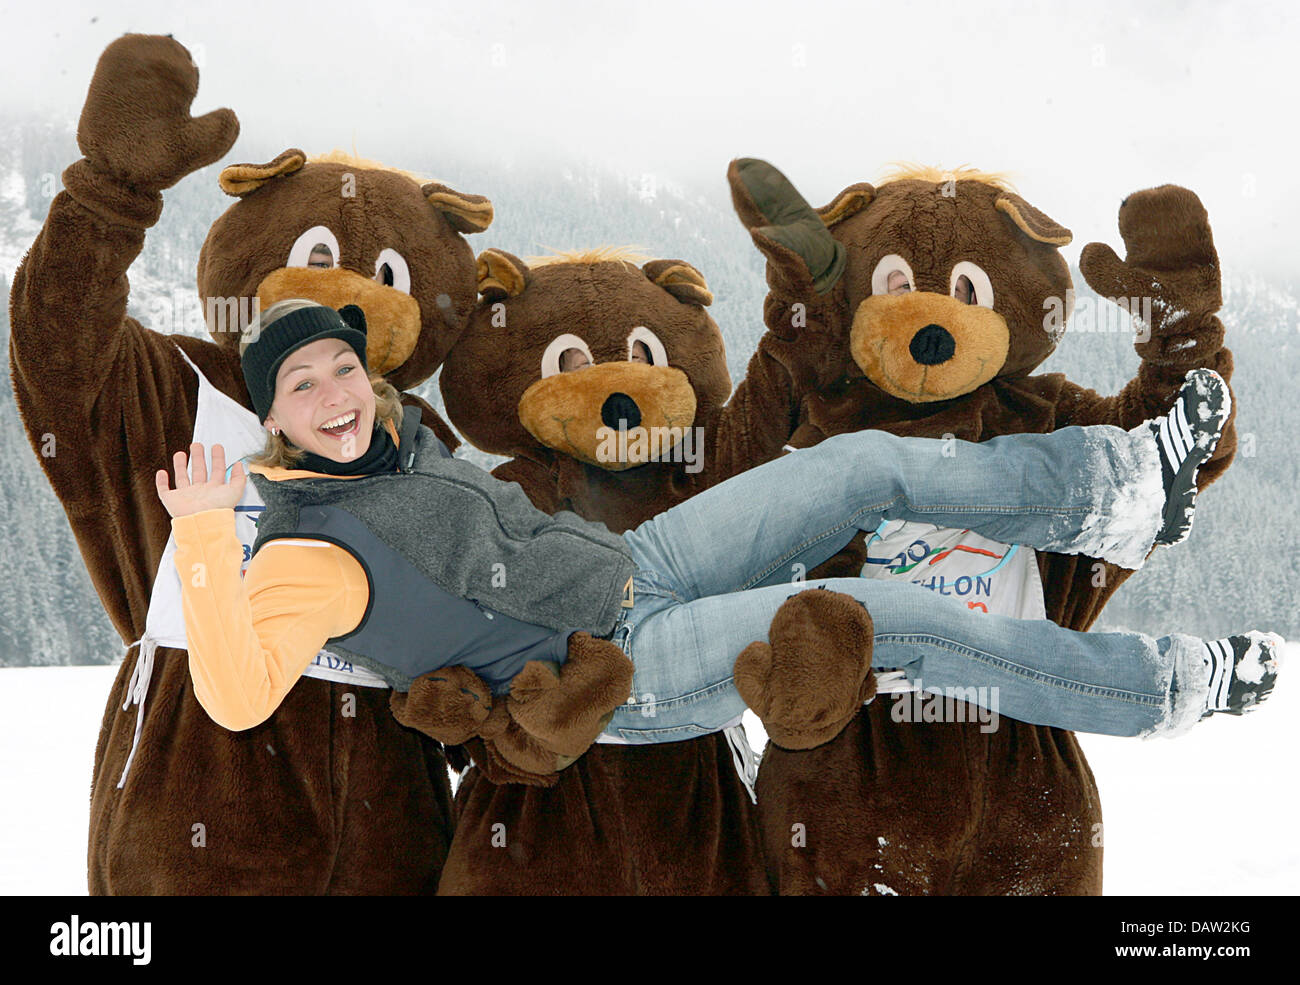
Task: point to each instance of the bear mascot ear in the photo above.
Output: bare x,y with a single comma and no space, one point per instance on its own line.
355,316
1033,223
849,202
239,180
466,213
501,275
679,279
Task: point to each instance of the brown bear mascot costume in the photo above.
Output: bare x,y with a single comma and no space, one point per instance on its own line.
331,794
673,817
953,293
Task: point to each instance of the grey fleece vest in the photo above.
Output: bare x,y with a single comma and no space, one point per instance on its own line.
462,568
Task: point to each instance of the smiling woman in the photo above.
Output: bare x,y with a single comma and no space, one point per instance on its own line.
325,405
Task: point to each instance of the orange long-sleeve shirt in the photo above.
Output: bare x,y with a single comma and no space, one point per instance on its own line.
251,638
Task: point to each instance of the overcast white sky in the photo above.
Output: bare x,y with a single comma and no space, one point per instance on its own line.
1083,102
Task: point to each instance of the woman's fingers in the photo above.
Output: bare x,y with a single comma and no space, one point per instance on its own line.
193,491
199,463
180,464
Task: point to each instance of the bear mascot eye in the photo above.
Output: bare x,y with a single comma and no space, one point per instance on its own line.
565,353
970,285
317,247
391,271
652,350
893,275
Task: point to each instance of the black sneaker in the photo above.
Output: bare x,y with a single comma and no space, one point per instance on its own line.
1186,438
1243,670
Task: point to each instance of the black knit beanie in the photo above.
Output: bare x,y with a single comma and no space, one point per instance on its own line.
261,359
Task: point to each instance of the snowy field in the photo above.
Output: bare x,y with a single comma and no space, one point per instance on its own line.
1210,813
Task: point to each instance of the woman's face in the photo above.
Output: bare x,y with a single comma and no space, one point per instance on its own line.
321,384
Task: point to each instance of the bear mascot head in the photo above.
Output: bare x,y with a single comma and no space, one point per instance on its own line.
341,230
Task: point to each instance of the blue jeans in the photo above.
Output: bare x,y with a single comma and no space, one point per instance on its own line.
713,570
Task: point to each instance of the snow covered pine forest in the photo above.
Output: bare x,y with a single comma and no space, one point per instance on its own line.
1239,570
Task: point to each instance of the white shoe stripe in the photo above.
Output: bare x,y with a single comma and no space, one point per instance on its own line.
1176,434
1167,442
1186,431
1225,681
1216,675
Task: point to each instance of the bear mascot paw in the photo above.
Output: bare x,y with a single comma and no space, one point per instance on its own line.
811,679
552,714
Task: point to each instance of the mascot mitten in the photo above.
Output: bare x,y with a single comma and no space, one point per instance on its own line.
554,712
802,255
552,715
483,732
137,133
1169,278
815,674
805,266
454,706
567,706
450,705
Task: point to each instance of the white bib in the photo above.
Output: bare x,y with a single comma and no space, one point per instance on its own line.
987,576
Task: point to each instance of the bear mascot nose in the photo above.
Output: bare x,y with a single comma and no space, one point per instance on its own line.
932,345
620,411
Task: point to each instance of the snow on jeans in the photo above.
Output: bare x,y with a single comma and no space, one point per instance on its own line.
713,570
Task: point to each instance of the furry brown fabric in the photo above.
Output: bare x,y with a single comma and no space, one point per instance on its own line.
412,329
946,808
550,717
450,705
814,674
316,799
881,343
671,818
566,707
516,750
455,706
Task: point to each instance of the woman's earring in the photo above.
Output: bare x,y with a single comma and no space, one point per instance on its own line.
275,431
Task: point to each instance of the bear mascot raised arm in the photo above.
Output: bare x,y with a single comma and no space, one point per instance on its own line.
953,293
331,794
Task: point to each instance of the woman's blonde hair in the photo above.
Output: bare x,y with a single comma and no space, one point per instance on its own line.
279,452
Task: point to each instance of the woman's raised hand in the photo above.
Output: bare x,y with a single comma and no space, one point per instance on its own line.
201,493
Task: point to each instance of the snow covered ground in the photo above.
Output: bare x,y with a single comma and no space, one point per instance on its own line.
1210,813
